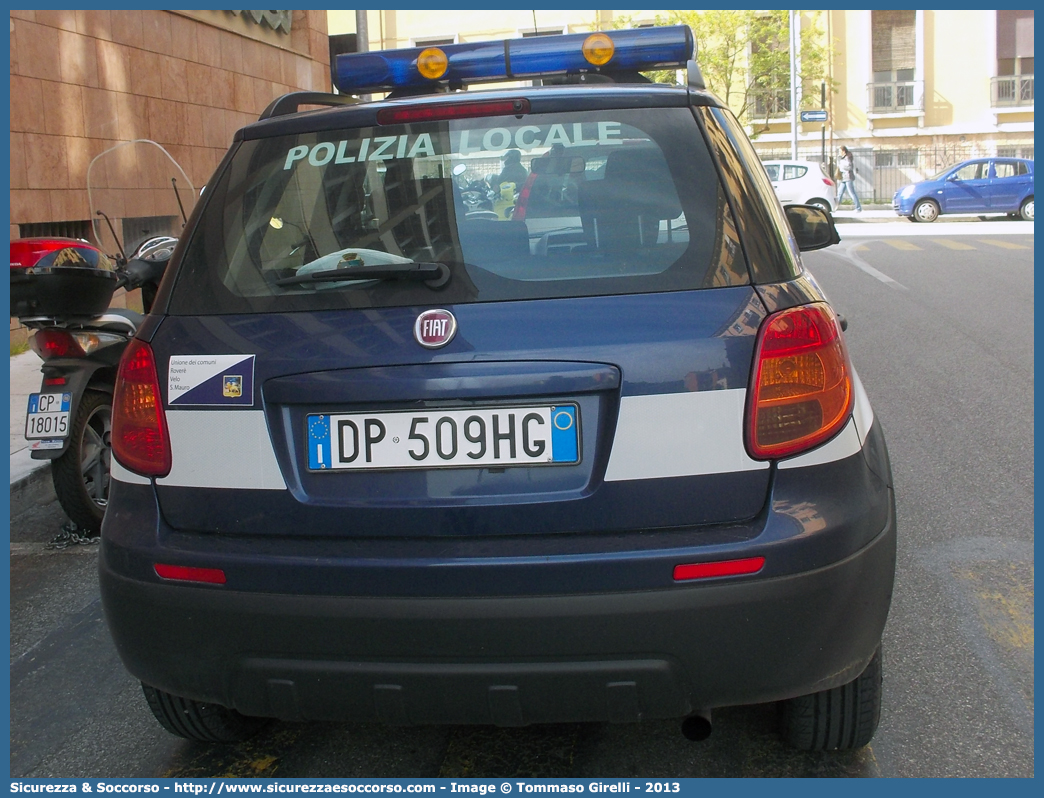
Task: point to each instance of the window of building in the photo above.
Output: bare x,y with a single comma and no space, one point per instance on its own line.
1014,43
136,229
1014,82
906,158
894,45
531,32
435,41
894,57
1015,152
884,158
78,229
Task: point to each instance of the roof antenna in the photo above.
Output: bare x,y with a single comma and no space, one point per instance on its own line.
536,31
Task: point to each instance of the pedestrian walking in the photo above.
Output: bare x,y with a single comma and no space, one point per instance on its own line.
847,169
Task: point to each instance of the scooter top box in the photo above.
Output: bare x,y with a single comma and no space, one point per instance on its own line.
60,277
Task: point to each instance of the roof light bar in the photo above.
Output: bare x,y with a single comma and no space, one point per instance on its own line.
515,59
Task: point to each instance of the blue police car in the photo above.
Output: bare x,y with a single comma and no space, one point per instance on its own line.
413,439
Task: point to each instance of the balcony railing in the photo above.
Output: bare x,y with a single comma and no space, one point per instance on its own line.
1012,90
903,96
771,103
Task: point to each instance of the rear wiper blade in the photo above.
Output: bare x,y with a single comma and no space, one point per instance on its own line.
435,275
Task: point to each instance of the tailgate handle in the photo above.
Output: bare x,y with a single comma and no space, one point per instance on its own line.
442,381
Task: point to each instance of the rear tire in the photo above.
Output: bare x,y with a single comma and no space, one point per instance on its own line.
820,203
195,720
843,718
81,474
1026,210
925,211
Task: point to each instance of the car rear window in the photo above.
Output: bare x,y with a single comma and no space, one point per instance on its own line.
538,206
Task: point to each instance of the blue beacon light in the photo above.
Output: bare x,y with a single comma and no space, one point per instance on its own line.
511,59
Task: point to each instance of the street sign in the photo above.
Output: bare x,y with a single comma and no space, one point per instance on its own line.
814,116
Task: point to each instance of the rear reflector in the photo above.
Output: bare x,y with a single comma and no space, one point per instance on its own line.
183,573
706,570
140,441
801,390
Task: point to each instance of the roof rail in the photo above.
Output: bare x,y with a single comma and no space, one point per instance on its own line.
290,103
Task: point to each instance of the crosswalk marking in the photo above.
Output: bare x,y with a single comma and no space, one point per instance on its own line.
1001,244
949,244
899,243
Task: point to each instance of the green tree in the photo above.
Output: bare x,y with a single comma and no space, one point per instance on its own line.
745,57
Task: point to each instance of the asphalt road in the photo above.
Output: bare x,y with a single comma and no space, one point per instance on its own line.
941,332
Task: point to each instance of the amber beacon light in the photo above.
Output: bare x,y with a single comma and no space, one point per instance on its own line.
598,49
432,63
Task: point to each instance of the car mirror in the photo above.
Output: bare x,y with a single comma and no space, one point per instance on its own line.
813,227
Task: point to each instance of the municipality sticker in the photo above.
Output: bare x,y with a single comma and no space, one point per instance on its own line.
217,380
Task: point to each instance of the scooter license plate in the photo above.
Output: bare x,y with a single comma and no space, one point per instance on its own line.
47,416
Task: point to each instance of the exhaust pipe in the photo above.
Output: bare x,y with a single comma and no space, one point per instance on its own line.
697,727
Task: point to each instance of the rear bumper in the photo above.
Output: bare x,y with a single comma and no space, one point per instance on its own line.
507,660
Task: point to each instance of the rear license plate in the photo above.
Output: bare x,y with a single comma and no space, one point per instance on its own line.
47,416
503,436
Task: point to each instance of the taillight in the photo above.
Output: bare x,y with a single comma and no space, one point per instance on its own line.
828,181
140,440
801,390
50,343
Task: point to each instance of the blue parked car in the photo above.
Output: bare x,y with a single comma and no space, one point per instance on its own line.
383,456
984,185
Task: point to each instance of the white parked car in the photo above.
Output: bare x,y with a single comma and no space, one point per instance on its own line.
802,183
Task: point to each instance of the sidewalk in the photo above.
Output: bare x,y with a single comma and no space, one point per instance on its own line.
25,379
866,215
